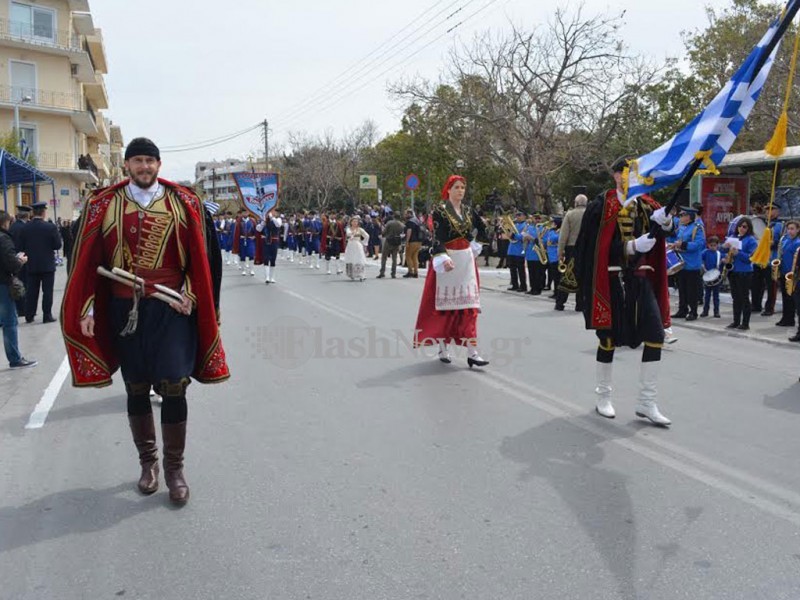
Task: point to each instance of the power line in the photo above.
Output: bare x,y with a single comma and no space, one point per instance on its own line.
336,99
370,66
213,142
179,147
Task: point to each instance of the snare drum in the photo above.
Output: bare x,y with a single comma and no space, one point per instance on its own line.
674,262
712,278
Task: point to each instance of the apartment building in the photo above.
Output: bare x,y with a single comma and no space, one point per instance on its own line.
214,180
52,63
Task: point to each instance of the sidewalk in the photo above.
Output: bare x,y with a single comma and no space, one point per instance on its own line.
762,329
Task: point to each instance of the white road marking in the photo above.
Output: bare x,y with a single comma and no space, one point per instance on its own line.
41,410
705,469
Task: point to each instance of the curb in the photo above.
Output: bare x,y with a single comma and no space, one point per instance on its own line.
707,329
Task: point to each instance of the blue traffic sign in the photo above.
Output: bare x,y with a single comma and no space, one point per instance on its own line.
412,182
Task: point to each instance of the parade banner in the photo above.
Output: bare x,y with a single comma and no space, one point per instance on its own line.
259,192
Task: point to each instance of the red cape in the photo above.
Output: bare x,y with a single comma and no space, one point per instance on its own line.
656,258
92,360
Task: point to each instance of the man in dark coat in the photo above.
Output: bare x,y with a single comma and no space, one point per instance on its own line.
40,240
20,221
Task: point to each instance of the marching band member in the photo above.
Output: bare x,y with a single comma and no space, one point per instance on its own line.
271,228
741,274
712,259
516,255
333,243
788,245
690,243
762,276
245,235
570,228
622,277
550,241
531,239
448,310
313,231
154,230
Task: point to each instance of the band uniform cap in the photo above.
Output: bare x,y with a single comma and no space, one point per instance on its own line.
39,205
687,210
142,146
22,208
519,213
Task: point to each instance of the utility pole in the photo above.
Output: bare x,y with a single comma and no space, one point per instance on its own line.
266,145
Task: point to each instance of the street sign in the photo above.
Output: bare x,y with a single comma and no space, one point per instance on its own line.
412,182
368,182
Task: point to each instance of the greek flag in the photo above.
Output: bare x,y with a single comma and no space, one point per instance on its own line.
211,207
711,133
24,149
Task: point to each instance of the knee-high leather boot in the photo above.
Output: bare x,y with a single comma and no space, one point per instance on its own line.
144,437
174,435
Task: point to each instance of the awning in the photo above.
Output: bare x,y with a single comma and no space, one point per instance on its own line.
15,171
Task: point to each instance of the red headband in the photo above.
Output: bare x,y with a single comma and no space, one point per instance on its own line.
449,183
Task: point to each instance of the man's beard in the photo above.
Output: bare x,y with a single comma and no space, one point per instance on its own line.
144,181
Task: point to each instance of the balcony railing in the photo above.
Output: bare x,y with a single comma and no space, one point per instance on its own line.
46,98
41,36
64,160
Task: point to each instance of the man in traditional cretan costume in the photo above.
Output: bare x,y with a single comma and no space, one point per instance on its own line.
143,296
622,279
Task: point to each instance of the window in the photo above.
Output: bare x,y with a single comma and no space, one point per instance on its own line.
32,22
23,81
27,132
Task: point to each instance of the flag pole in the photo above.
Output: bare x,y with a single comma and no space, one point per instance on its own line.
787,20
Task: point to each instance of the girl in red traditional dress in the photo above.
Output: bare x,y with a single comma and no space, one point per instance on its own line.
448,311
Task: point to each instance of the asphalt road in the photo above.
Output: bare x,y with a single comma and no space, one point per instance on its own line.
338,463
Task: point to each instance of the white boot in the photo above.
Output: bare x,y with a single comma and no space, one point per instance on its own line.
338,267
272,275
243,267
317,261
444,353
227,258
604,407
266,273
251,267
329,266
647,407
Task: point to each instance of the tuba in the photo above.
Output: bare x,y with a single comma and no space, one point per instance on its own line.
568,282
507,225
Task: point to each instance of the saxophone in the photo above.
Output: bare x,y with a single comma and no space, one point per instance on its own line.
789,282
538,246
776,263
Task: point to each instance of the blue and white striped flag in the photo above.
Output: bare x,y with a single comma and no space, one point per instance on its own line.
711,133
211,207
24,149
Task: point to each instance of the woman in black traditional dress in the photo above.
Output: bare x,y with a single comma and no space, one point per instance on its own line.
448,311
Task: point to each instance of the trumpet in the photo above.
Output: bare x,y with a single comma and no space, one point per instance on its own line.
776,269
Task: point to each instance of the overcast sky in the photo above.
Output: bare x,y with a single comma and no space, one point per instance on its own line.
184,71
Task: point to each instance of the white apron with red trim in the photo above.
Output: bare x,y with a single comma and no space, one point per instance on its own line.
458,289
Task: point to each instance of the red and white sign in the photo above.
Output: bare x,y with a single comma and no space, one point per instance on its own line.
723,198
